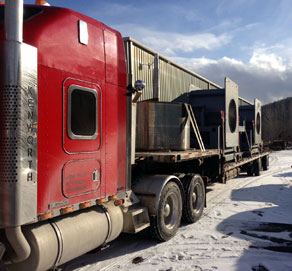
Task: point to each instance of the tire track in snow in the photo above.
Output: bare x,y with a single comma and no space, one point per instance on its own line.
237,183
216,200
135,246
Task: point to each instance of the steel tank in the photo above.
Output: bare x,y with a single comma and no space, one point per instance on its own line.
162,126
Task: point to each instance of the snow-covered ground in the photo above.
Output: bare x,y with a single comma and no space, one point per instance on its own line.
247,225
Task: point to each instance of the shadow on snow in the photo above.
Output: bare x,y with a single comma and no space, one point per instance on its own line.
268,229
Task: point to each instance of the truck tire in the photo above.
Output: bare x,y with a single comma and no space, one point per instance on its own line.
265,162
194,198
257,167
2,266
249,170
167,220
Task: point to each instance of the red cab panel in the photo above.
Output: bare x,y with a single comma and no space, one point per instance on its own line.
81,108
81,177
115,61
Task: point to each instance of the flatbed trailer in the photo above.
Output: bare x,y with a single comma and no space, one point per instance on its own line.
252,165
192,161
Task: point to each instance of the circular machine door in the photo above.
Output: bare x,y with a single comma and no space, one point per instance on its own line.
232,118
258,123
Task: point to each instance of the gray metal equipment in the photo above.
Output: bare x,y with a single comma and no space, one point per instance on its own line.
162,126
251,118
217,114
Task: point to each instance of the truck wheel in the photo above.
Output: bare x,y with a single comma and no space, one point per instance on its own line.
165,224
257,167
249,170
265,162
2,266
194,199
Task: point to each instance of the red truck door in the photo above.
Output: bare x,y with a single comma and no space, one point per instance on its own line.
82,137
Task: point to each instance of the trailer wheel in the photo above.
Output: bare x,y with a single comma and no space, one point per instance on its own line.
165,224
194,198
265,162
257,167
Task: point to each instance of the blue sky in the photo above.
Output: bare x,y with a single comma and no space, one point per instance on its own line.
247,40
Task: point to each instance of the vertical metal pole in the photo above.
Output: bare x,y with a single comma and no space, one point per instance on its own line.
130,146
13,20
18,118
13,23
13,35
133,105
156,83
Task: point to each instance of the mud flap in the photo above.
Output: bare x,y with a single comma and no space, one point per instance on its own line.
206,180
2,250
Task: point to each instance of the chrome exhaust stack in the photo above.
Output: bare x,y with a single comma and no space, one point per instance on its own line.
18,135
13,20
18,120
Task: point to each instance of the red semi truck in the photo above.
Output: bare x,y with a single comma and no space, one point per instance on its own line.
70,181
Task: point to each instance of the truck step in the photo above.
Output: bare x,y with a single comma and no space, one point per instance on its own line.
136,219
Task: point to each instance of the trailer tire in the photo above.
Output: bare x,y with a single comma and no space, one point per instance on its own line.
167,220
265,162
194,198
257,167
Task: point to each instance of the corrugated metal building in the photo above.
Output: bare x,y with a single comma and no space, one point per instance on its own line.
277,120
165,80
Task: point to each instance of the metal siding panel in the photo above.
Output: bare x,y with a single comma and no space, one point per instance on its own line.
174,79
243,102
143,70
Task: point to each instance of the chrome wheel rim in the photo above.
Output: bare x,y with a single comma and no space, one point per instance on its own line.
196,198
170,211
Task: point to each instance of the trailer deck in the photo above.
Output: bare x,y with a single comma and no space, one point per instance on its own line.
176,156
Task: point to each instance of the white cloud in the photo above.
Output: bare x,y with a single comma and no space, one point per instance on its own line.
265,77
267,62
171,43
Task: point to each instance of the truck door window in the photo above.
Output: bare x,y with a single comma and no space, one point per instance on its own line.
82,113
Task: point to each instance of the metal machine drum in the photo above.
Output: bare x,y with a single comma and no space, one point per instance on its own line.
162,126
215,105
251,116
